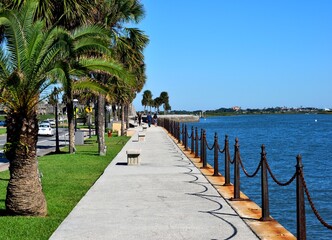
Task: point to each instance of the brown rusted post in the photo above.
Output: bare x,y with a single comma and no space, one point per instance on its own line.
300,207
176,133
216,150
172,128
192,140
182,133
201,147
179,132
237,171
185,142
204,149
264,188
196,143
227,163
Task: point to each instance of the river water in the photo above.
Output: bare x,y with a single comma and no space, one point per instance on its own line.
284,136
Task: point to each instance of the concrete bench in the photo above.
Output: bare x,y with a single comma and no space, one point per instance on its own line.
141,136
133,156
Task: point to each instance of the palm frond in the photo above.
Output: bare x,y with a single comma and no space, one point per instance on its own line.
91,85
108,66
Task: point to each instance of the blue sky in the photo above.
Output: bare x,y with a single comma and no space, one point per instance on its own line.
253,54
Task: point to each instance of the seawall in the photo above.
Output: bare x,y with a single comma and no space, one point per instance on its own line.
181,117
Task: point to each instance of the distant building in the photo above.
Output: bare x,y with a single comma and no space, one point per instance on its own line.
236,108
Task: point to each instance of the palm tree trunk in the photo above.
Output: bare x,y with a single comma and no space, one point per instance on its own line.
122,119
71,125
101,125
127,115
24,190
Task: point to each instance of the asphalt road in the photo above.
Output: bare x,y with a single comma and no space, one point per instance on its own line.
45,144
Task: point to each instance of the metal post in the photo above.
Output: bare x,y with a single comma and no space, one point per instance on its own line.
300,207
89,116
227,163
264,188
185,137
204,150
75,119
192,140
179,132
201,147
196,142
237,171
57,144
216,150
183,132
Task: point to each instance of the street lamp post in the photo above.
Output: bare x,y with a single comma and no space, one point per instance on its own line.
57,144
89,112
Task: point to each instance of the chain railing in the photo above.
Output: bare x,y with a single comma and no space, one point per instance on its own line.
199,147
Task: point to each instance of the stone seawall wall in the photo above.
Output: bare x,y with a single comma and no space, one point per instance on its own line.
181,118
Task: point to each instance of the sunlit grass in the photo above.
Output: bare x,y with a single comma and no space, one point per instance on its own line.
66,178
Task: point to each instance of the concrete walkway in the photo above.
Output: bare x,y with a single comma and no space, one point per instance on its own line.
165,197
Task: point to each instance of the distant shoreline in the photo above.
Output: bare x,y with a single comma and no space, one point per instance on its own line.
232,112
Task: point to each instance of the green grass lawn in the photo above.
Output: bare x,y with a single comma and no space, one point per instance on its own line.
66,178
3,130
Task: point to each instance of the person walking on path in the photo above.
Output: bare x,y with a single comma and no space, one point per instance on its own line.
155,119
149,119
139,118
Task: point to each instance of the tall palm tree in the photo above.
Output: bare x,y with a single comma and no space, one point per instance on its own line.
147,98
157,102
165,100
129,50
112,16
33,59
83,65
27,66
69,14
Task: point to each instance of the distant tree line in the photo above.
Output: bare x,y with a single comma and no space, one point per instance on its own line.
271,110
162,100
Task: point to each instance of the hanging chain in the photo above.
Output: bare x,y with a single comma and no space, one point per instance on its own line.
245,171
276,180
207,145
325,224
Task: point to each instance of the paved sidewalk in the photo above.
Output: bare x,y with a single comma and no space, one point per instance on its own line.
165,197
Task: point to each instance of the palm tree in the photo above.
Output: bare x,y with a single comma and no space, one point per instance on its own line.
129,51
27,66
157,102
33,59
165,100
112,16
66,13
90,40
69,14
147,98
167,107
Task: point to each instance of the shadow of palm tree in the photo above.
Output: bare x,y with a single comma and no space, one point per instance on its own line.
3,212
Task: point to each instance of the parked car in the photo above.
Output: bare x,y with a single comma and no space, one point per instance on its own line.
3,124
52,122
45,129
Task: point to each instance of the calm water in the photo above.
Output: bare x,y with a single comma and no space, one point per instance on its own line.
284,136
